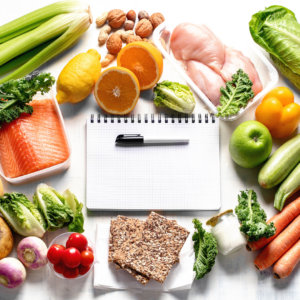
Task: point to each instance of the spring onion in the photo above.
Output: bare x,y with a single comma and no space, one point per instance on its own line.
62,22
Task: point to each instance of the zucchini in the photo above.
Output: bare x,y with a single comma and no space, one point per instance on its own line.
290,186
280,164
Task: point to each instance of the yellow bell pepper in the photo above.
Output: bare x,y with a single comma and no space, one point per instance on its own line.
279,113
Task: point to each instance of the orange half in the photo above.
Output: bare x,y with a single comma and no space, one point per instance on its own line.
144,60
117,90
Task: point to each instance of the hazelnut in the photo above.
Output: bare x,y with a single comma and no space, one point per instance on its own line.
128,25
114,43
116,18
156,19
143,28
131,15
143,15
133,38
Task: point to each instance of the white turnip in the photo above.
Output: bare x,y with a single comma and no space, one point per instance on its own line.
12,272
32,252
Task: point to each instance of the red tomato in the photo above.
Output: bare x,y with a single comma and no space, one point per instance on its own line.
55,254
83,269
59,268
68,244
77,241
87,258
88,248
70,272
72,257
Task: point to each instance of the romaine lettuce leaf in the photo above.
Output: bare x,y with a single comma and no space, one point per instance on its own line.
175,96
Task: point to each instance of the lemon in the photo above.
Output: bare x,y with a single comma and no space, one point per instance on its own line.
77,79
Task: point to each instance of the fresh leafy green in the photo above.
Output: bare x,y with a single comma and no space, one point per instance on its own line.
76,207
277,31
252,217
236,94
16,94
205,247
22,215
175,96
57,213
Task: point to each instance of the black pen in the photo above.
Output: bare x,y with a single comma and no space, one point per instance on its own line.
139,139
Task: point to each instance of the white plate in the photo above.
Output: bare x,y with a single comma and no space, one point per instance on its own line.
267,73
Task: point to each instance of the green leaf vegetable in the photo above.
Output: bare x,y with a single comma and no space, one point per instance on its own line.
16,94
22,215
277,31
252,217
76,207
236,94
175,96
205,247
57,213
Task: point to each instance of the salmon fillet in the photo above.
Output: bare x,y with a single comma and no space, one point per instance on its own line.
33,142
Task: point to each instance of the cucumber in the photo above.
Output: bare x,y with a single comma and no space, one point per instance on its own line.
280,164
290,186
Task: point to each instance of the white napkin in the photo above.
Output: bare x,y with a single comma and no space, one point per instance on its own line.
106,276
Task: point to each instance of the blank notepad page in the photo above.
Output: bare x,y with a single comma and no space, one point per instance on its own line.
157,177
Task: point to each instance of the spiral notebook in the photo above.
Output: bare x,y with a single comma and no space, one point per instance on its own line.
156,177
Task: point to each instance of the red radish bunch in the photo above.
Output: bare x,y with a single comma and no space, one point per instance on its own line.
74,259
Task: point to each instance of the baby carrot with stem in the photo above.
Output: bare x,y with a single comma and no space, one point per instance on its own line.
281,220
283,242
287,263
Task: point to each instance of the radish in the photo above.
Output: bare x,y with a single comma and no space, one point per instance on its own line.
32,252
12,272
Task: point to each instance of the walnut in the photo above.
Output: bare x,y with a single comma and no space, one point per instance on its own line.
143,28
156,19
114,43
116,18
133,38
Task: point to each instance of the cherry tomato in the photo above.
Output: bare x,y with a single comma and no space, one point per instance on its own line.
77,241
289,121
87,258
55,254
59,268
68,244
269,112
72,257
83,269
88,248
70,272
282,93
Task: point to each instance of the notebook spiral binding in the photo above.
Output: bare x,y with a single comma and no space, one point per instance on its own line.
160,119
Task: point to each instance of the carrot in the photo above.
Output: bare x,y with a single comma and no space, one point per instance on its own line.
281,220
283,242
287,262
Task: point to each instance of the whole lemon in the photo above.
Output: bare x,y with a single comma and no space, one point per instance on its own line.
77,79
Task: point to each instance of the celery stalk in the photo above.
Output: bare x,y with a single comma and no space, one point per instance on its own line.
20,60
16,27
80,24
47,31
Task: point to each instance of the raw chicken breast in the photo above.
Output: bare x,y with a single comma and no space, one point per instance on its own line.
192,42
206,79
235,60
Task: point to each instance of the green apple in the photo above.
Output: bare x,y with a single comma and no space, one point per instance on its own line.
250,144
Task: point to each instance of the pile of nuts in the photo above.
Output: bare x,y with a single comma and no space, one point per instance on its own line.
117,18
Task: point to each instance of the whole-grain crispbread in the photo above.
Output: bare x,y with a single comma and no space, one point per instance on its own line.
121,230
155,250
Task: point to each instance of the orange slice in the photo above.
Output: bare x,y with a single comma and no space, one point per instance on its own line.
144,60
117,90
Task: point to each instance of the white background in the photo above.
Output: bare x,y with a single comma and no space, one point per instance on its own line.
234,276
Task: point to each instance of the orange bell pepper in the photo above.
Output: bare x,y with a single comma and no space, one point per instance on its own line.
279,113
